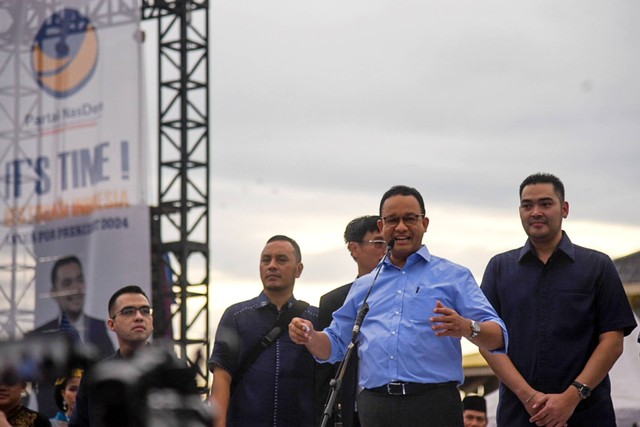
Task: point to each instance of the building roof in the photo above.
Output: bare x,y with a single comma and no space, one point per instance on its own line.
629,268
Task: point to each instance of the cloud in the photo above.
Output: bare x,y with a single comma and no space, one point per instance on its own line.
319,107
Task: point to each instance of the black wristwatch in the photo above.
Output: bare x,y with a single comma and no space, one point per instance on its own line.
583,389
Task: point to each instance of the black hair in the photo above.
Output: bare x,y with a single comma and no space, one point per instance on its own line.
61,384
544,178
358,227
403,190
296,248
57,393
129,289
70,259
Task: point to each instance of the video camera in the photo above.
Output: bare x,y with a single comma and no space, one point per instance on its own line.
154,388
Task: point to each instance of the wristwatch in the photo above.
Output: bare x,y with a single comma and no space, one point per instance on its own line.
583,389
475,329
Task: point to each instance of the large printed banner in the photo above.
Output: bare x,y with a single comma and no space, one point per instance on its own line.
82,261
77,124
71,162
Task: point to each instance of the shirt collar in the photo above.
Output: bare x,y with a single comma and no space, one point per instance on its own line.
565,246
423,253
264,301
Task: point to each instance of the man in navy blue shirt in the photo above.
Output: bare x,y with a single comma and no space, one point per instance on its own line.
276,390
566,313
409,343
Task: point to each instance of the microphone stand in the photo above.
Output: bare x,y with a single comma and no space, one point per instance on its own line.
336,383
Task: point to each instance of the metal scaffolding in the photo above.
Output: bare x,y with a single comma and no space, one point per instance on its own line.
17,260
180,221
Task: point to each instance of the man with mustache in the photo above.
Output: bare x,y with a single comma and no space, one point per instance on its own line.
566,312
276,389
474,411
409,343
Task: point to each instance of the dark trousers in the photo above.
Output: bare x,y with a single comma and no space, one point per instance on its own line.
439,407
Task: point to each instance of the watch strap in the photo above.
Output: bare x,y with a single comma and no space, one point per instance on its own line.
583,389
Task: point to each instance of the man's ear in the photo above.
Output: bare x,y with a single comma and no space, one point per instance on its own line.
111,325
353,248
299,269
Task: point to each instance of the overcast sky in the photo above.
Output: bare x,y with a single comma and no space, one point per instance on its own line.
319,107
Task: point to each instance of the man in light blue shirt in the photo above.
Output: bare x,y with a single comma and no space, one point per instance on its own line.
409,343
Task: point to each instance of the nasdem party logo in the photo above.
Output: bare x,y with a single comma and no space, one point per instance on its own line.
64,53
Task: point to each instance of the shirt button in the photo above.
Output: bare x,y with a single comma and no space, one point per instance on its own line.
392,357
393,332
397,312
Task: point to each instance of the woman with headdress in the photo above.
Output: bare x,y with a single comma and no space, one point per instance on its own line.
66,390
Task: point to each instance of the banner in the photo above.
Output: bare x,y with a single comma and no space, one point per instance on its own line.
76,124
72,161
113,250
82,261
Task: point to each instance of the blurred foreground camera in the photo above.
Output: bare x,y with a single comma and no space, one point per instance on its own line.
155,388
42,357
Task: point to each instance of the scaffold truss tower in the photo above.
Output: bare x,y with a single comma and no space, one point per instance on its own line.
180,221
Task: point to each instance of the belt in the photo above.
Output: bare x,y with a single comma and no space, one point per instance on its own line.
401,389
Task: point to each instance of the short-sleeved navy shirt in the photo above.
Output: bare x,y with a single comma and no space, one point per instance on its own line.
277,390
554,313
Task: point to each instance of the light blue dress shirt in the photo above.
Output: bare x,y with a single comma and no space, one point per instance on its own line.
396,342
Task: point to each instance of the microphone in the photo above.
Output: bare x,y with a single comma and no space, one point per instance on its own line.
359,319
336,383
364,308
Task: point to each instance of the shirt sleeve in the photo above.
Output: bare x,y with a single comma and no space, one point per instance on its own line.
488,285
342,324
475,305
227,345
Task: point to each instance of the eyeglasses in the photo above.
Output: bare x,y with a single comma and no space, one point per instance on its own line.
409,219
130,311
378,243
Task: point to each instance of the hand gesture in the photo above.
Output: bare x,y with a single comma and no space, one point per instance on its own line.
449,323
300,330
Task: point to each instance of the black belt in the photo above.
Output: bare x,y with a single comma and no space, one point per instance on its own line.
401,389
